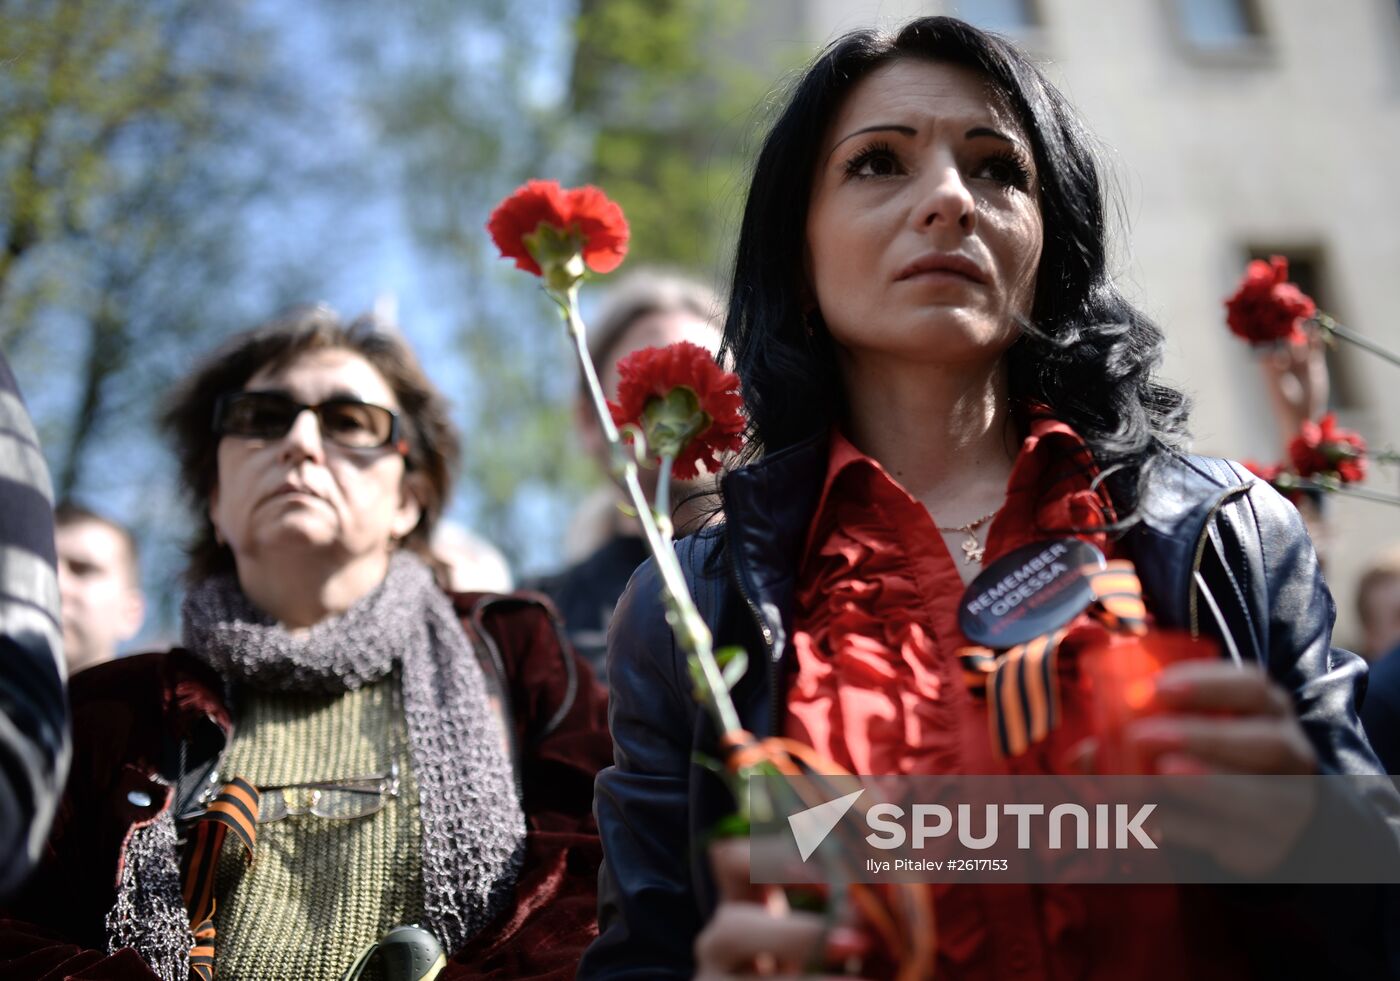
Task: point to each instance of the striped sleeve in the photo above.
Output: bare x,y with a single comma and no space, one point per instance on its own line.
34,740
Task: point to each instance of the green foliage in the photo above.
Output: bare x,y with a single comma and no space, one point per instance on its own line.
458,94
129,151
733,662
150,146
651,107
668,104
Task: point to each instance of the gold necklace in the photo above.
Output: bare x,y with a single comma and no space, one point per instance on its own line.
973,550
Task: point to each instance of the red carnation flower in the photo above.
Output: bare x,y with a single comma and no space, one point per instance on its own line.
542,226
687,406
1267,472
1326,449
1266,308
603,226
1278,476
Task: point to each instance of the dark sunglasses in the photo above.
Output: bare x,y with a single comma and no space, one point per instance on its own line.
345,422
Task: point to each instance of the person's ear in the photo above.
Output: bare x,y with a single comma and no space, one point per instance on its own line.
410,507
212,511
132,613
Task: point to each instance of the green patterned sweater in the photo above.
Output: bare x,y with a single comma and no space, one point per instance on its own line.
319,890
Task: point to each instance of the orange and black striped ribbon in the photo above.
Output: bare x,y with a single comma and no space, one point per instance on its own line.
1020,683
202,953
234,809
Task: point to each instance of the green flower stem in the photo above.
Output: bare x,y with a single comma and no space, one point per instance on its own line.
663,494
1346,490
1333,329
690,629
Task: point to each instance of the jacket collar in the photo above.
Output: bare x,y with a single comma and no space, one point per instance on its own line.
768,506
1174,516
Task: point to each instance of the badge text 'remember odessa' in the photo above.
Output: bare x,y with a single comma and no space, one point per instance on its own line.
1028,592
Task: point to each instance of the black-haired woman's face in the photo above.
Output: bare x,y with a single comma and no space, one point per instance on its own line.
924,229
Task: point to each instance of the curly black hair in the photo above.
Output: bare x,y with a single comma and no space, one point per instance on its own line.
1085,352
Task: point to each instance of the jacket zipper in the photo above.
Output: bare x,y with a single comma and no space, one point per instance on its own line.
765,632
1193,589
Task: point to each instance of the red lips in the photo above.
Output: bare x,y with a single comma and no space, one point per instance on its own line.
943,262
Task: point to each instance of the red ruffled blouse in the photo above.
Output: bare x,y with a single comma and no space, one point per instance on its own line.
879,689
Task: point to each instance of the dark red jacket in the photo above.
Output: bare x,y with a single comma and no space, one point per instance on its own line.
132,716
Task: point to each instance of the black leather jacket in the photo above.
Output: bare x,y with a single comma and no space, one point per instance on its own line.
1218,553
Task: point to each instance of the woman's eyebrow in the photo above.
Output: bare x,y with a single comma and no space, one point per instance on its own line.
995,134
974,132
877,128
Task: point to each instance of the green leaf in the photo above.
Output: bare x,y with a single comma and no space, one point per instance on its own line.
730,826
733,662
707,762
697,678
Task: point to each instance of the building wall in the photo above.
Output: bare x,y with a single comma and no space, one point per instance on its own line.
1291,142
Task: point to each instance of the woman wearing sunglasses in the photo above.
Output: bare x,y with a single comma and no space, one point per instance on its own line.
343,748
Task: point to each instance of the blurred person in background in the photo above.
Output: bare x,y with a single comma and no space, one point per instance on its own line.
1378,608
34,741
99,581
646,308
388,754
1378,604
1298,383
468,563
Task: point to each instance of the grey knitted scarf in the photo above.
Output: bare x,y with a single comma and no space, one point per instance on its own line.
473,825
149,915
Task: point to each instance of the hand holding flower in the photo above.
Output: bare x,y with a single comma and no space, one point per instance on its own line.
1214,719
753,932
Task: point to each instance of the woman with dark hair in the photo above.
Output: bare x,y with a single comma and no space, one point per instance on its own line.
939,371
342,748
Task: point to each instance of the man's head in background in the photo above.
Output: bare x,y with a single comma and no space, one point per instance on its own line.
468,563
1378,604
99,581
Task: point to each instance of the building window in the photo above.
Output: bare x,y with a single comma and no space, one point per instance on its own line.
1307,268
1005,16
1219,25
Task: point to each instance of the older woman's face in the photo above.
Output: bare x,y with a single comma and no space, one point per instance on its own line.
924,228
301,497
